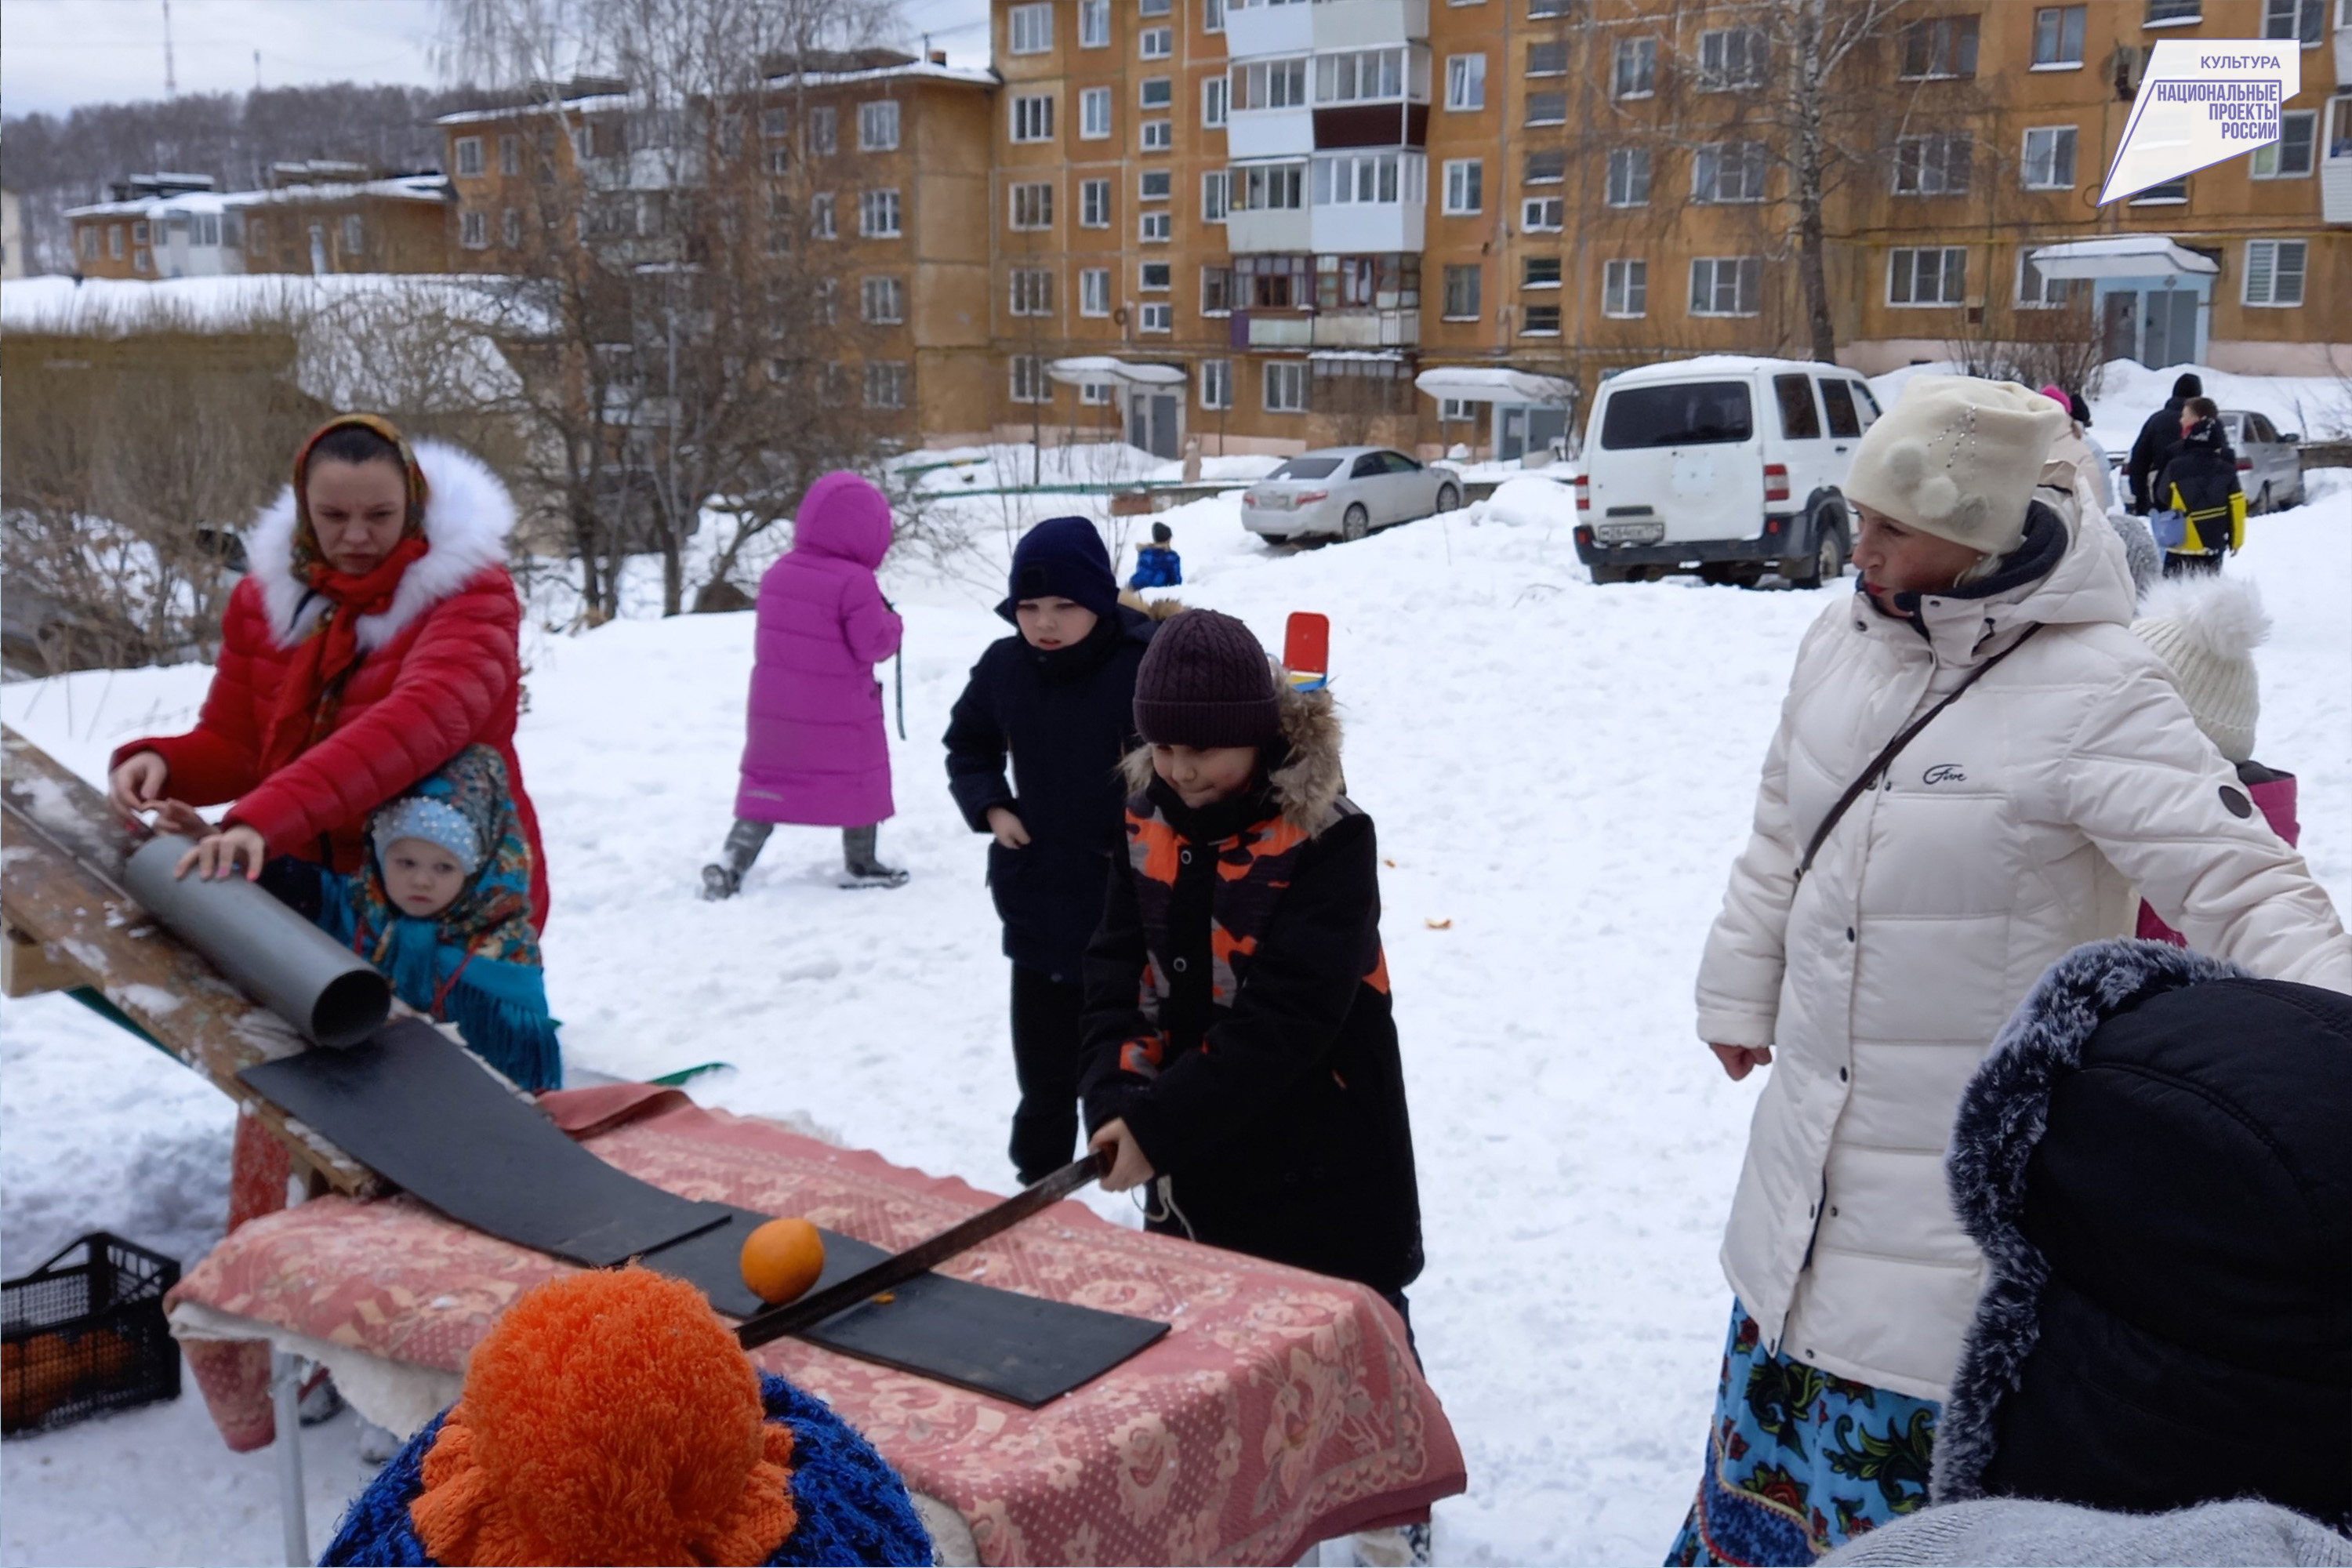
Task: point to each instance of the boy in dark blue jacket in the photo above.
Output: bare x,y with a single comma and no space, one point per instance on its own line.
1059,698
1157,565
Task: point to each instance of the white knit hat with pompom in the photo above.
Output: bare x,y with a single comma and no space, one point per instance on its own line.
1958,457
2206,630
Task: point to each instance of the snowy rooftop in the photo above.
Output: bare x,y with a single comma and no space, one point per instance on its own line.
592,103
403,187
110,307
913,69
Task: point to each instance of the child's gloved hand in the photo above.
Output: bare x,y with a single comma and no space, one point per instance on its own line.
1010,831
1129,1168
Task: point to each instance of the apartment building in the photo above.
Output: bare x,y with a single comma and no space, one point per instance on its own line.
312,218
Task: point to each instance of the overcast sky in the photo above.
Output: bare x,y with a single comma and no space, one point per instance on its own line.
55,54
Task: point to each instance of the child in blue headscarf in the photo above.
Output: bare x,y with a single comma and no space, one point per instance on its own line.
443,908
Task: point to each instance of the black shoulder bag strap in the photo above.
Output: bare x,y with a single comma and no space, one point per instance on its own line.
1879,765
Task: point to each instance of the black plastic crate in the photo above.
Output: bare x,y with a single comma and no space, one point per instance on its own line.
85,1333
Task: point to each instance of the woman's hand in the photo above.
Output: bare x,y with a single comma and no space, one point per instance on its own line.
178,816
216,855
1738,1061
1129,1168
1010,831
137,783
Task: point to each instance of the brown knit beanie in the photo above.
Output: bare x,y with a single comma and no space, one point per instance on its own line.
1204,682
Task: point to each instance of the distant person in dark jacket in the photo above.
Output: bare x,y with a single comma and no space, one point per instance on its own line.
1059,699
1156,564
2200,482
2157,437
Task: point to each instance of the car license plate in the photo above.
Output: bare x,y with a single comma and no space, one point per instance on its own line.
1629,533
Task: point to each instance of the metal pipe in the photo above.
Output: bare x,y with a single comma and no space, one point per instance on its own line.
289,965
286,1395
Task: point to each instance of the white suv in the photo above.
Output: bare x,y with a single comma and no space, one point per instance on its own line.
1725,465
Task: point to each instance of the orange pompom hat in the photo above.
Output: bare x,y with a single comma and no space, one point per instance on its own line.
609,1417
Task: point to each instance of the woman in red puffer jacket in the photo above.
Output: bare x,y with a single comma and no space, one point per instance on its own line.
374,640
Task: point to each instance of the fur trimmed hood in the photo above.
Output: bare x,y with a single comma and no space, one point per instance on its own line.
1309,788
468,516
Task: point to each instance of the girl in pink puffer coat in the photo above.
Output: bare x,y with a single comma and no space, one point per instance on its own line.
816,752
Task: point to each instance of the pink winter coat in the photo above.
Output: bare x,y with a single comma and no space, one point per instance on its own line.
2275,795
816,752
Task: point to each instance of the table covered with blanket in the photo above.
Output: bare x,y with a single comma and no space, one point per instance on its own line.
1282,1409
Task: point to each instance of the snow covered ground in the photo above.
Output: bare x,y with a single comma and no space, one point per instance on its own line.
1559,773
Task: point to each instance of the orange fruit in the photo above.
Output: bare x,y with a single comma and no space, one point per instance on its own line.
782,1260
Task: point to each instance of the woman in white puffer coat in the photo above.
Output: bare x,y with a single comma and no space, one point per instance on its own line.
2010,829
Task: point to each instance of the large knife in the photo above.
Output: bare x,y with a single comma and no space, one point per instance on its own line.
795,1317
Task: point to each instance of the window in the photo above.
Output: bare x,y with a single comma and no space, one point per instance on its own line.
1156,228
1455,411
1033,119
1837,397
1093,204
2274,271
1731,59
1214,94
1286,386
1156,318
821,219
469,156
1094,113
780,158
1030,383
511,226
1547,166
584,142
1464,186
1033,205
1800,420
1929,275
1540,272
1361,76
1159,135
1541,215
510,155
2058,36
1216,383
1539,9
1729,172
882,300
2050,158
878,214
140,259
1538,321
1932,165
1629,177
2296,19
1465,81
1094,23
1943,46
886,384
1636,73
1625,289
355,234
1275,282
1726,285
1547,109
1094,291
775,123
1154,8
1155,277
1461,292
1363,178
1033,28
1355,282
1156,42
1032,291
824,130
828,302
2170,194
87,235
877,126
139,232
473,230
1547,59
232,230
1270,84
1272,187
1157,92
2035,292
1213,16
2290,154
1216,188
1154,184
1216,291
2174,13
1094,394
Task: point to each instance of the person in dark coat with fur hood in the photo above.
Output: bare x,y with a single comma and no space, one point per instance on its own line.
1241,1053
2160,435
1058,699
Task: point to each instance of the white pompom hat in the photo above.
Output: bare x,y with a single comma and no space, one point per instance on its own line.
2206,631
1958,457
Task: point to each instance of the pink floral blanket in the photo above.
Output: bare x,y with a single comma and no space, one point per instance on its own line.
1283,1408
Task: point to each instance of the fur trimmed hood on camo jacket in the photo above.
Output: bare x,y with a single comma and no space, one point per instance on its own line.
1238,1016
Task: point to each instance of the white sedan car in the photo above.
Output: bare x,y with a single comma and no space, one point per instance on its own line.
1344,492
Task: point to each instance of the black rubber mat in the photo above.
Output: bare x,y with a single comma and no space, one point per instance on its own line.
420,1112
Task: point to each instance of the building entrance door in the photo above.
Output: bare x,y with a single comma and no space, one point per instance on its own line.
1155,422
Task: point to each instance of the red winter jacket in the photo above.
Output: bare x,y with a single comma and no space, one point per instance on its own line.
438,671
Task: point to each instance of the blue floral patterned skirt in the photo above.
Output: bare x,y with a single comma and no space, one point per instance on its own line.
1799,1462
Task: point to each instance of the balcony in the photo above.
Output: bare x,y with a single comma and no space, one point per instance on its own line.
1364,229
1269,133
2335,188
1366,329
1263,29
1272,230
1286,330
1362,24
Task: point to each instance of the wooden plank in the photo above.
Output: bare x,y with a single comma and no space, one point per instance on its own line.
59,850
28,970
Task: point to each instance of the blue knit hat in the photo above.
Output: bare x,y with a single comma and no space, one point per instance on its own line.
1062,557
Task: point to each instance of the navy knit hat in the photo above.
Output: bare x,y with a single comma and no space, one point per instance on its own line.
1062,557
1204,682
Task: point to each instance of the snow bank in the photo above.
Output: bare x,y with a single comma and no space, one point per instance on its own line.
2316,407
